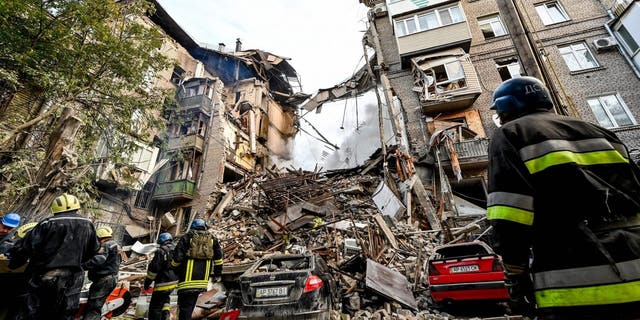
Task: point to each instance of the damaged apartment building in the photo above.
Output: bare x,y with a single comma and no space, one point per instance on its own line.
234,110
439,61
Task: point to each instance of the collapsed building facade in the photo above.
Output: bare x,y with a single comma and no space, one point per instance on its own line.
234,111
438,63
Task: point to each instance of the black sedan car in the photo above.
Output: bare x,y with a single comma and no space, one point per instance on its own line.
285,286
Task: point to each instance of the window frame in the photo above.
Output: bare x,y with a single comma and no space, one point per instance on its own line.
550,21
609,114
508,59
575,55
490,20
628,40
401,27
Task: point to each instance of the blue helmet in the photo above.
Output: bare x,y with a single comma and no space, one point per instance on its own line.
11,220
164,237
198,224
521,94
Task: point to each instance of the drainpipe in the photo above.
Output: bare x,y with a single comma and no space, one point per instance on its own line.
607,26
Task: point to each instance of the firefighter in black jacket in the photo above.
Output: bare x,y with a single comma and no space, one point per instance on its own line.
165,279
192,257
56,248
564,199
103,273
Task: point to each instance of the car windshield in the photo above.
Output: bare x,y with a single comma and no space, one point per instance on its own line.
273,265
461,251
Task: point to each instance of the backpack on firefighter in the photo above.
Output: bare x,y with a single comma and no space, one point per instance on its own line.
201,245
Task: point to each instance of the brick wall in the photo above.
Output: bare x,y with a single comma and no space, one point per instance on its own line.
587,19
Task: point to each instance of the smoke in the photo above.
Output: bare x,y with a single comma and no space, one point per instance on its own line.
357,141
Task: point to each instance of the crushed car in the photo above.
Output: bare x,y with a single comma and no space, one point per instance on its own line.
466,272
279,286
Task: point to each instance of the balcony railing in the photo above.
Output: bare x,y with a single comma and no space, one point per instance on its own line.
471,151
200,101
193,141
178,190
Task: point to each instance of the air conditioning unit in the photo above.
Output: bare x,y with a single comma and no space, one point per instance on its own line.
380,10
605,44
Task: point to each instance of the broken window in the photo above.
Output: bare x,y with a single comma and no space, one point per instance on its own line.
491,26
143,158
578,57
449,76
434,80
509,68
611,112
177,75
143,196
194,91
186,218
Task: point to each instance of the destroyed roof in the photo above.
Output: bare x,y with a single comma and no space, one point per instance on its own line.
282,78
359,83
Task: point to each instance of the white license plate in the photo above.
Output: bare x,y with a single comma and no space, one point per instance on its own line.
469,268
271,292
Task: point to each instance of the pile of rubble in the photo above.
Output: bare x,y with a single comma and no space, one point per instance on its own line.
360,220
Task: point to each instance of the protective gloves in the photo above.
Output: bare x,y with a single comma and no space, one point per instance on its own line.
147,283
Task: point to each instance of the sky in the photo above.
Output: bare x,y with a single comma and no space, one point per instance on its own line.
323,39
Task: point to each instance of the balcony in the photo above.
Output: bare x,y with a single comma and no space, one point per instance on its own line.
193,141
200,103
454,35
446,81
471,153
175,190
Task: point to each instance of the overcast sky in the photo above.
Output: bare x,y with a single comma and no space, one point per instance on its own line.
323,40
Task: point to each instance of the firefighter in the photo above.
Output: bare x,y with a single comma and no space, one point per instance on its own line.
9,222
192,258
164,278
56,248
103,273
564,200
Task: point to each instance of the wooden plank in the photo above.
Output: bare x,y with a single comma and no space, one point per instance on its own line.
385,229
423,198
223,203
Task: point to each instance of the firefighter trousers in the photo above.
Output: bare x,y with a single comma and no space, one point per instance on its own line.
53,295
159,305
98,292
187,299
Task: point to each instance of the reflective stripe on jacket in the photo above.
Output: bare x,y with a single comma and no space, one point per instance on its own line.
160,270
194,273
555,184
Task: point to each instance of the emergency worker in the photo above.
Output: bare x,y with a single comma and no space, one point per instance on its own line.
56,248
193,256
103,273
8,222
564,200
165,279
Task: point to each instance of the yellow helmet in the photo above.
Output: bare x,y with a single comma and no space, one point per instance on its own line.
64,203
104,232
24,229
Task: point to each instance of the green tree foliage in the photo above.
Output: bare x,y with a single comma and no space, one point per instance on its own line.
98,58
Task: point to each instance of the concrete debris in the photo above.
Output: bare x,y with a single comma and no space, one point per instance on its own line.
378,259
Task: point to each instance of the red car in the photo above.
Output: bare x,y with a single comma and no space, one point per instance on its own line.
466,271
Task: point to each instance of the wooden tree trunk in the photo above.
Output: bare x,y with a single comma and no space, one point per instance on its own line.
54,173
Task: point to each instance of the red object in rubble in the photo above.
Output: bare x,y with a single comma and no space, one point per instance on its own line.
230,315
466,271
